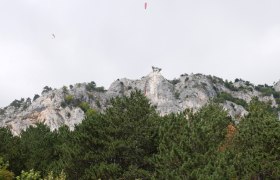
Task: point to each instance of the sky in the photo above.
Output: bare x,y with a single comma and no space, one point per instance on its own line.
103,40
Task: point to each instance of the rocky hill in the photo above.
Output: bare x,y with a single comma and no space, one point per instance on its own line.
56,107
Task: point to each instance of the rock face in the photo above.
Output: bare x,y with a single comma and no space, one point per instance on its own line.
277,86
61,106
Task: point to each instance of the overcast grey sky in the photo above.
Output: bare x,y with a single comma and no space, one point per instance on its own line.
103,40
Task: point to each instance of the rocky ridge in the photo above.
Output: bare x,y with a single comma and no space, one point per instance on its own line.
62,106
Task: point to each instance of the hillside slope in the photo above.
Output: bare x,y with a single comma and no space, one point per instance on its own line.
56,107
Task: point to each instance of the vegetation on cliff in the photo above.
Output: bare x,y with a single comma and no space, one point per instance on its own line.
131,141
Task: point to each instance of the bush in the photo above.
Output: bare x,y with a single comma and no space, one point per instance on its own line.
175,81
100,89
223,96
177,95
46,89
237,80
65,90
36,96
4,173
84,106
69,99
2,111
98,104
230,86
30,175
91,86
17,103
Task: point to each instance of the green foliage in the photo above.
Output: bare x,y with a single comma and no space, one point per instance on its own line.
84,106
177,95
100,89
91,86
69,99
98,103
268,91
5,174
265,89
37,148
186,143
65,90
2,111
29,175
174,81
10,150
129,140
215,79
118,143
51,176
237,80
229,85
46,89
223,96
36,96
256,144
17,103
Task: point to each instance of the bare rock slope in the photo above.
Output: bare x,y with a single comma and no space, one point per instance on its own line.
63,106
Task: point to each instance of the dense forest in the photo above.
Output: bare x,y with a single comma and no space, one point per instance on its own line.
131,141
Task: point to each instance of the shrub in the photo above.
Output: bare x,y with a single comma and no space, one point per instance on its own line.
230,86
177,95
236,80
69,99
98,104
90,86
36,96
65,90
84,106
2,111
17,103
4,173
46,89
175,81
100,89
30,175
223,96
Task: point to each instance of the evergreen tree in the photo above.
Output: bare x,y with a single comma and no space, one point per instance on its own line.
189,146
256,144
10,149
5,174
118,143
37,148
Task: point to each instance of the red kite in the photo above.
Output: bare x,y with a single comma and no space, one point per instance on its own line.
145,5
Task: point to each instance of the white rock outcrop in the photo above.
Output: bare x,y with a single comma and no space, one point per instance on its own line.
188,91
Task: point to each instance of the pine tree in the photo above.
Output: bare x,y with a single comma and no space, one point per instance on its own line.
118,143
189,147
37,148
257,142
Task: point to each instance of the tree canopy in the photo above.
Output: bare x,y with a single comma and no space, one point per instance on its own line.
129,140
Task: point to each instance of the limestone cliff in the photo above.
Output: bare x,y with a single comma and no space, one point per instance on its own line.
61,106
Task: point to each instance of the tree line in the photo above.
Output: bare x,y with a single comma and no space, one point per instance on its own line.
131,141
